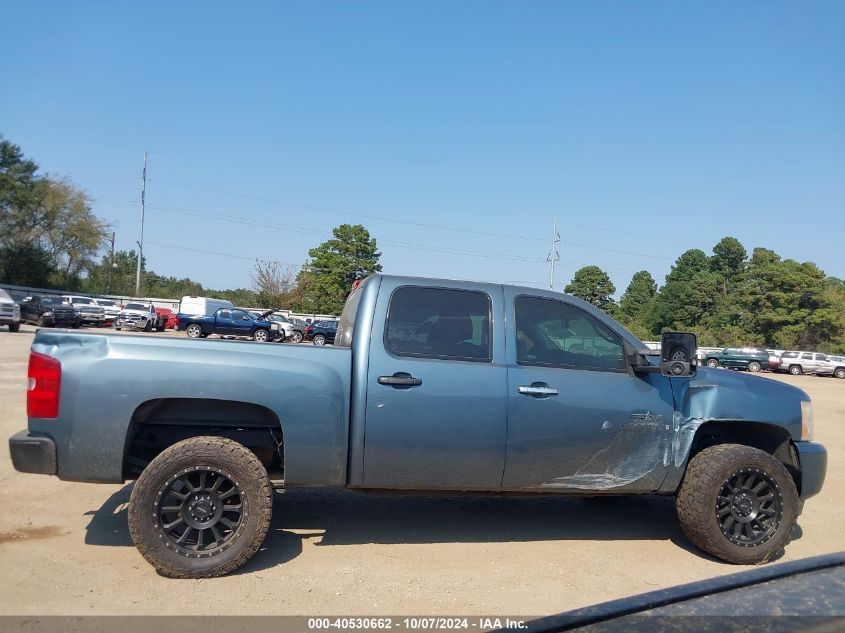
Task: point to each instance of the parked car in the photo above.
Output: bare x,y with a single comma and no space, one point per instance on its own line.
423,390
171,320
774,361
139,316
285,326
202,306
321,332
92,314
10,311
797,362
111,308
750,358
50,311
230,322
835,366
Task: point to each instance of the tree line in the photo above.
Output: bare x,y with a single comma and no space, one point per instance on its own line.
728,298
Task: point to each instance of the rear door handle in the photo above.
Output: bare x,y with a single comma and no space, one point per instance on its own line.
538,390
400,379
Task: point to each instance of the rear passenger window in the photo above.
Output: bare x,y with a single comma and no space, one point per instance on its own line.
806,357
558,334
439,323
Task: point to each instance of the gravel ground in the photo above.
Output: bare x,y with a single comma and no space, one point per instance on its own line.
65,547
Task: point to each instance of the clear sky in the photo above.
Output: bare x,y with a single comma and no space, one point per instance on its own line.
645,128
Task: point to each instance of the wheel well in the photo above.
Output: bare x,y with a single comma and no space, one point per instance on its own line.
770,438
160,423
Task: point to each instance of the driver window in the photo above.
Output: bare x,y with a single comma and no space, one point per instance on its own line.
224,314
558,334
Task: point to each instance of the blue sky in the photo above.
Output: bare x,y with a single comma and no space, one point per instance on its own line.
645,128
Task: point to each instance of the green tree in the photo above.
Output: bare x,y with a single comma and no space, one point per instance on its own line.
636,308
117,279
44,224
593,285
687,297
335,264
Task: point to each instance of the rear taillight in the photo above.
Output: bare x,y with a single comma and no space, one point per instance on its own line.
309,329
44,387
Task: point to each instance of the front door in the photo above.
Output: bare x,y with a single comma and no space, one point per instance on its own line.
578,419
436,414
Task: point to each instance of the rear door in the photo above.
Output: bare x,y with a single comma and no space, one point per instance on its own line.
577,418
436,412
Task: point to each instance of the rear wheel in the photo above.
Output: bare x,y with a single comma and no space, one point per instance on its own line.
839,372
754,366
796,370
319,339
737,503
261,336
712,362
201,508
194,331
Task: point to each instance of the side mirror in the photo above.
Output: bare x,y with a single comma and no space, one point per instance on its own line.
678,356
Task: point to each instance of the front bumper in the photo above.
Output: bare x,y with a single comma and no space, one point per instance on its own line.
33,453
812,459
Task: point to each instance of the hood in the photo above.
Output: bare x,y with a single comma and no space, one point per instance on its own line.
722,394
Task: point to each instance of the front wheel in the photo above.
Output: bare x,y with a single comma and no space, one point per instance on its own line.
201,508
737,503
261,336
194,331
754,366
14,327
796,370
319,339
712,362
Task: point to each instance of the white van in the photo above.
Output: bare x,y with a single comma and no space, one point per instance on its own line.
202,306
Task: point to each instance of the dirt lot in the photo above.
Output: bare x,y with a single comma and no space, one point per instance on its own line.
65,548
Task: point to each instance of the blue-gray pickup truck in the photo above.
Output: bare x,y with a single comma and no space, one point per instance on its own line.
431,385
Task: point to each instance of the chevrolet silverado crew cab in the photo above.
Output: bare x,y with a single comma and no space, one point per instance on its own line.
431,385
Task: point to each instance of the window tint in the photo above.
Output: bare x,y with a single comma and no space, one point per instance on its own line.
554,333
821,357
224,314
439,323
806,357
239,315
790,355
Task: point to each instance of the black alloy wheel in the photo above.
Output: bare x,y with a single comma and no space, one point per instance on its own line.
749,508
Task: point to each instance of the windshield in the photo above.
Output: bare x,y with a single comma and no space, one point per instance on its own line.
136,306
82,300
5,295
51,301
108,303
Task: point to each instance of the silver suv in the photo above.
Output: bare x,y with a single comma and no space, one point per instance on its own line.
836,367
797,363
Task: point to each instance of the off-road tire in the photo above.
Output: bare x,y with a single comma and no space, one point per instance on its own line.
796,370
712,363
754,366
256,494
698,498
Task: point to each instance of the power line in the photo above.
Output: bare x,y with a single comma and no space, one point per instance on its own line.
412,223
224,217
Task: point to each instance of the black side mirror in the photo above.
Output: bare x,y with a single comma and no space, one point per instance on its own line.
678,356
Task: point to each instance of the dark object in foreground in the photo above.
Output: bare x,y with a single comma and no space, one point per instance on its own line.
801,595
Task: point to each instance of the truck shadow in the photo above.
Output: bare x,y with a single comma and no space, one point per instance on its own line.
343,517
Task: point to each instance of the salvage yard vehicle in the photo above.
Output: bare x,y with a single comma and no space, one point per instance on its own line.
10,312
49,311
797,363
431,385
230,322
321,332
92,314
139,316
833,366
111,308
750,358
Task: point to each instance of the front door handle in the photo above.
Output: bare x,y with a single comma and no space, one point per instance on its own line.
400,379
538,390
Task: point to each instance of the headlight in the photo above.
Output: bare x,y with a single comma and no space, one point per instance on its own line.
274,326
806,421
47,314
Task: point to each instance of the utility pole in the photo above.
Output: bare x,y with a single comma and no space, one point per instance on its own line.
553,257
141,242
111,262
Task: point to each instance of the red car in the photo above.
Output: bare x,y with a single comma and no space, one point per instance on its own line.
170,319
